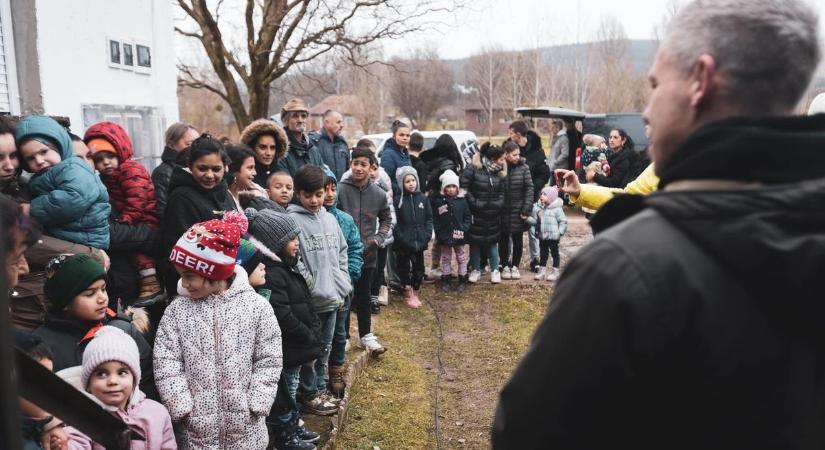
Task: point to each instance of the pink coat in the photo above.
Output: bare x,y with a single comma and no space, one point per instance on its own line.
147,416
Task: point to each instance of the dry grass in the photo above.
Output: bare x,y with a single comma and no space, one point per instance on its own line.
486,330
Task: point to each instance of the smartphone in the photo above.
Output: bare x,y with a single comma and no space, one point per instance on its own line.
559,179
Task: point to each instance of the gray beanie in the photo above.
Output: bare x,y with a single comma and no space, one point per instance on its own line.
270,230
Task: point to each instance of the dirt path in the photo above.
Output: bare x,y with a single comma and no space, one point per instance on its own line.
485,332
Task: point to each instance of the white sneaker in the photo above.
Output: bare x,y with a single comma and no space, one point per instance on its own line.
553,275
346,346
474,276
505,273
514,274
435,273
495,277
383,296
540,276
371,344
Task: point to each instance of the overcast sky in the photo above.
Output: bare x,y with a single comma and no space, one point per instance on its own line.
518,24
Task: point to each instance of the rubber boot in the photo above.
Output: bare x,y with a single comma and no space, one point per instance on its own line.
445,283
415,302
337,383
462,283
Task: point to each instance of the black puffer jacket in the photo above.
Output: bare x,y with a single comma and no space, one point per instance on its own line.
65,338
707,330
162,176
533,152
518,197
450,215
443,156
485,195
124,241
291,300
621,164
188,204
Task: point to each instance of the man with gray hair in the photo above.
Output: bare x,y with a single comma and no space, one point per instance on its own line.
331,145
301,152
696,318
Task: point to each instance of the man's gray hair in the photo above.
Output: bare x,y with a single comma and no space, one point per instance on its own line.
766,50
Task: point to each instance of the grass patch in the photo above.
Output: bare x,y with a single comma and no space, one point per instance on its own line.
391,404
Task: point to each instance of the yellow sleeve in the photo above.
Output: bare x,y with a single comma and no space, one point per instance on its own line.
593,196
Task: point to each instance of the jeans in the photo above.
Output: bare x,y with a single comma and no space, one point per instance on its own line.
446,252
533,243
284,409
378,278
313,373
410,268
504,249
361,301
337,354
393,280
553,248
475,256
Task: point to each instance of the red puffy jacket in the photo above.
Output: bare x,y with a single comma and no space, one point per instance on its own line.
130,187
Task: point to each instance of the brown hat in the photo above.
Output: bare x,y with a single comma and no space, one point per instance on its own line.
295,105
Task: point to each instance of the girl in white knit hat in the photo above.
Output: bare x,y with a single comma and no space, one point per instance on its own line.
111,373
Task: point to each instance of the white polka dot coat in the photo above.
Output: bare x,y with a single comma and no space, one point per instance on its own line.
217,364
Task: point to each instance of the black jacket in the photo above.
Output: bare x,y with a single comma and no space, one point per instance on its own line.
518,197
64,337
291,300
537,162
299,155
161,177
450,215
188,204
415,222
485,195
421,169
707,330
621,165
443,156
124,241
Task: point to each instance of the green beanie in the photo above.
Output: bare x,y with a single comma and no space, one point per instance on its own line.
68,276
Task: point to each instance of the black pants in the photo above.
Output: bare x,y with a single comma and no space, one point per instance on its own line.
378,278
410,267
553,248
361,301
504,249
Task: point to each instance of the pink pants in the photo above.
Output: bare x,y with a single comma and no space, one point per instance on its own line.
447,256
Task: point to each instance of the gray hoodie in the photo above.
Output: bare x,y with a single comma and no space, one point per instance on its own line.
324,253
366,205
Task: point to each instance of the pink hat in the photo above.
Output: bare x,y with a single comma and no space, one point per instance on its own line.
552,194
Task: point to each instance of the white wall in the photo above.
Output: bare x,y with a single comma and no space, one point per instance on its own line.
73,52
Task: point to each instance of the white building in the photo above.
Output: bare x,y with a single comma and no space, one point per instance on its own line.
92,60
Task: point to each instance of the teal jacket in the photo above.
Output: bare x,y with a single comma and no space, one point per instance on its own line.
355,248
68,199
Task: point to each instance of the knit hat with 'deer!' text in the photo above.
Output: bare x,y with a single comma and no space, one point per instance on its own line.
211,248
110,344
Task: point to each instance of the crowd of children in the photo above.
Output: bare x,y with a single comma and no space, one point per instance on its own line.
249,272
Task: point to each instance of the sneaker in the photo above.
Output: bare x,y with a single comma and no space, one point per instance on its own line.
435,273
375,307
495,277
514,274
383,296
328,396
286,438
319,405
302,433
505,273
540,275
474,276
534,265
346,346
553,275
370,343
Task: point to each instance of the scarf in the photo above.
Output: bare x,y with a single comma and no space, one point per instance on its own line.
491,166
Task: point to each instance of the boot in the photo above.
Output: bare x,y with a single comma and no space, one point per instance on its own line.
337,384
445,283
285,437
149,287
415,301
462,283
408,296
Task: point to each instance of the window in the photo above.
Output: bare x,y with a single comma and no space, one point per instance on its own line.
114,52
128,55
144,56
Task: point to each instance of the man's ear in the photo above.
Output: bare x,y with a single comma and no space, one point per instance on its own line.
704,83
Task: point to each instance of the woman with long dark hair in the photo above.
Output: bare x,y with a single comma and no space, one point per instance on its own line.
621,159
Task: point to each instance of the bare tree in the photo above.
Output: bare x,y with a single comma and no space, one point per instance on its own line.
671,9
278,35
421,85
616,86
484,74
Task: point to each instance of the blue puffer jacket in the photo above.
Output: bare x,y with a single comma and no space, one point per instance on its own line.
68,199
548,222
392,158
355,248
